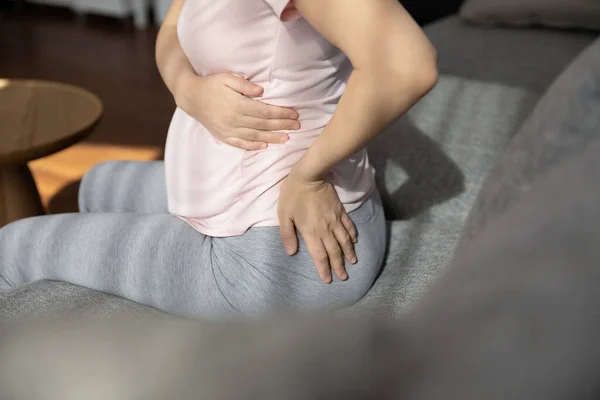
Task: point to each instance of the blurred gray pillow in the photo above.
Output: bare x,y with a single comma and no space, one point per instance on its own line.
583,14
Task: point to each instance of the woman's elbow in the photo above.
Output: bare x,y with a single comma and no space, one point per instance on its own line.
427,74
416,73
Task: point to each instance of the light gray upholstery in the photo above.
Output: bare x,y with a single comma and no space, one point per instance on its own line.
433,161
59,298
562,126
529,58
491,79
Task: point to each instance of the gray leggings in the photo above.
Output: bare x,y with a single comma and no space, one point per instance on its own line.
125,243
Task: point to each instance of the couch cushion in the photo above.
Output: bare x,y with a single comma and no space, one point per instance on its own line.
430,166
516,316
563,124
54,298
525,58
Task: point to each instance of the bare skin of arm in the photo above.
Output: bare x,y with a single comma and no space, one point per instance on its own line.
222,102
173,65
394,66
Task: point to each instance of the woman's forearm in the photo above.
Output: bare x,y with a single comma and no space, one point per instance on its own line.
372,100
171,60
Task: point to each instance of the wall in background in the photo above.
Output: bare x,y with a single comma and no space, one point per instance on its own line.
423,11
426,11
161,7
116,8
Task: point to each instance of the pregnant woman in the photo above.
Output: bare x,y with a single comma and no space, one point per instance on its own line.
266,198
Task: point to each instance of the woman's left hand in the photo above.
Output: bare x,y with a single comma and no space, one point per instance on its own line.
313,208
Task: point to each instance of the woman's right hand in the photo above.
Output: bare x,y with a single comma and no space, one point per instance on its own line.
224,104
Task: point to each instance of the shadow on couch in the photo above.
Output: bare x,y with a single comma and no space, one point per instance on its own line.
431,176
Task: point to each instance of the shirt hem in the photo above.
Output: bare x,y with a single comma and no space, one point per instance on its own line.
221,233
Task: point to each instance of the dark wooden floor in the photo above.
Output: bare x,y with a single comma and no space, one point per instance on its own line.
106,56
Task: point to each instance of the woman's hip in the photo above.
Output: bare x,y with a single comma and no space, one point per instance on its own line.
257,263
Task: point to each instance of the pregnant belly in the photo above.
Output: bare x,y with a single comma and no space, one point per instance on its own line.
212,181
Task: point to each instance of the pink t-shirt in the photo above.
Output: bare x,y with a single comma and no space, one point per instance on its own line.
221,190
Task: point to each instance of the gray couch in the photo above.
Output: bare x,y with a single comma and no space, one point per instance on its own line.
431,163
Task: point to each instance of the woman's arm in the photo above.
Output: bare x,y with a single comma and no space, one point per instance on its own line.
394,66
173,65
222,102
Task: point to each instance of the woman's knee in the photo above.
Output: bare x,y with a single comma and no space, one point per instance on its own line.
15,246
95,184
5,251
124,186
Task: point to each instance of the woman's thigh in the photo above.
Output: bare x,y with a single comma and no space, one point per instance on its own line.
125,186
160,261
156,260
272,280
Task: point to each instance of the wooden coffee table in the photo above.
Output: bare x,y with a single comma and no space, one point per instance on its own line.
37,119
